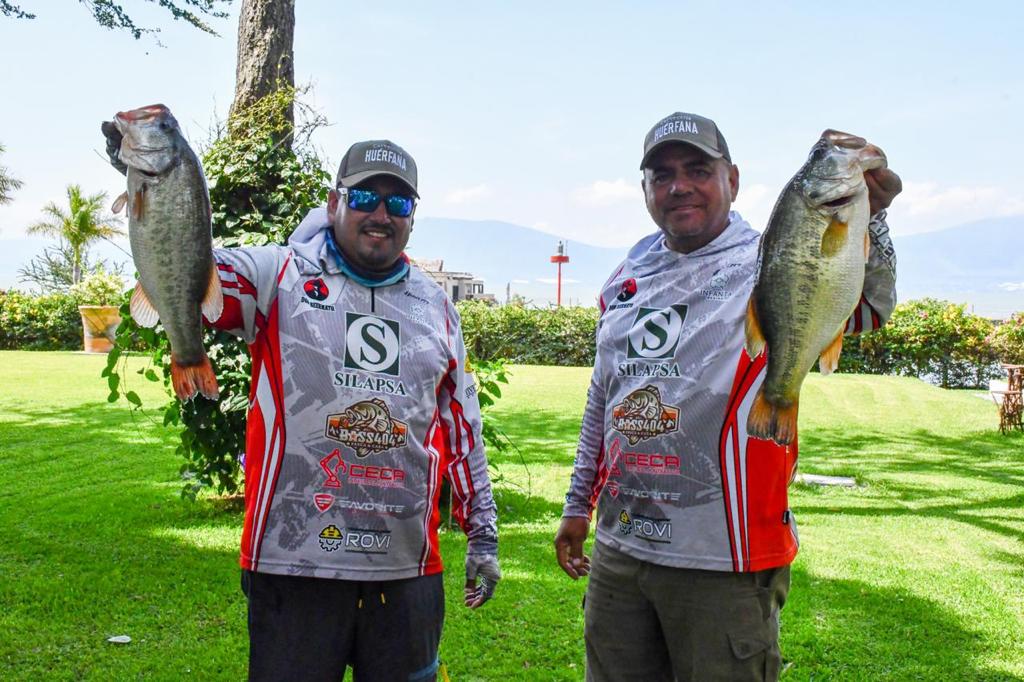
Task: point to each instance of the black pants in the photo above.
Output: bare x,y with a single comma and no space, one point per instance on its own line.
312,628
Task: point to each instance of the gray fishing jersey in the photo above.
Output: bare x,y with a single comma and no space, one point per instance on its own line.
360,402
663,451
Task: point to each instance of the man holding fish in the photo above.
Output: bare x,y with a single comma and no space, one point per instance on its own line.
688,439
361,401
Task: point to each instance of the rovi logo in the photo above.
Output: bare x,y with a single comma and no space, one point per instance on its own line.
655,332
372,344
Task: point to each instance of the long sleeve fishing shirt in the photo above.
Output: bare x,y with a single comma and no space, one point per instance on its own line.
663,452
361,402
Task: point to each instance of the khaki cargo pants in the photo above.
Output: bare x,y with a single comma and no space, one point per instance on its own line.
647,623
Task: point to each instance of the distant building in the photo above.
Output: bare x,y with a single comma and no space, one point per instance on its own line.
460,286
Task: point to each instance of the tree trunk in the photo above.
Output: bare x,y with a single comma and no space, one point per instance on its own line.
266,31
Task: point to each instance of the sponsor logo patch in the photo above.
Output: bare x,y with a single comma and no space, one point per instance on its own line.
316,290
717,288
645,527
367,427
642,462
642,415
330,538
613,488
357,540
372,344
375,384
359,474
655,332
323,501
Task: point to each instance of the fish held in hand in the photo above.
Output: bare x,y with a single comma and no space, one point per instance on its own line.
172,245
810,276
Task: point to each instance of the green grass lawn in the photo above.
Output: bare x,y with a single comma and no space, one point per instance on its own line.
916,574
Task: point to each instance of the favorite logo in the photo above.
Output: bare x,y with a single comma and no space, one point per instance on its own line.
642,415
655,332
367,427
613,488
372,344
316,289
323,501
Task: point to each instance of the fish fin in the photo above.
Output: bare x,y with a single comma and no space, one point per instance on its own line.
142,309
213,301
138,206
190,380
772,422
828,361
834,238
119,203
755,337
867,246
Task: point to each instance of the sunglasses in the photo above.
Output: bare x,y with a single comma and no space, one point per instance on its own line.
367,201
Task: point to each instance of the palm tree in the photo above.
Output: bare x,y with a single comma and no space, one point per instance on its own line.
7,183
79,227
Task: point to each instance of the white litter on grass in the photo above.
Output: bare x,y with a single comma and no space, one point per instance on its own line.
119,639
818,479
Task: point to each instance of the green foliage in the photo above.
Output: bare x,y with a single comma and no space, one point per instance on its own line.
100,288
1008,340
929,339
54,269
553,336
260,188
83,223
48,322
8,183
110,14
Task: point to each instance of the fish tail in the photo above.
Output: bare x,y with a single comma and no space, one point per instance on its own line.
772,422
189,380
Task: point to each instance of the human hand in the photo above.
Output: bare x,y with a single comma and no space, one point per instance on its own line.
883,186
113,136
482,576
569,547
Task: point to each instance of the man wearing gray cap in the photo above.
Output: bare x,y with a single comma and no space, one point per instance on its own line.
361,402
694,535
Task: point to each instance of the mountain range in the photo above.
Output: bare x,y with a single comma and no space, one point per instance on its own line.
979,263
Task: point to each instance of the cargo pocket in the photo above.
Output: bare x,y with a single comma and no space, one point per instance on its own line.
756,658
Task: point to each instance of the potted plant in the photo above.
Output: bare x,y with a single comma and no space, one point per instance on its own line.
99,295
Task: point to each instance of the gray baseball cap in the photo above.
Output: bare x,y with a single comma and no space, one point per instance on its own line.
690,129
363,160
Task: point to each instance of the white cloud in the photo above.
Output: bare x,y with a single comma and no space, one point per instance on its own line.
605,193
927,198
554,280
1012,286
520,281
464,195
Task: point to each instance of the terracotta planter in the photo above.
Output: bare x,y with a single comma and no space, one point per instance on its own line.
99,323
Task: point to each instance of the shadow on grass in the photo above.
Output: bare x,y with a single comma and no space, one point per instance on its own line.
987,458
850,630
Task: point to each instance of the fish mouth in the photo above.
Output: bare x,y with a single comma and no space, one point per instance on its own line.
142,113
840,202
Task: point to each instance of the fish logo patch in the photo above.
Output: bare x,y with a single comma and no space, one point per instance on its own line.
367,427
642,415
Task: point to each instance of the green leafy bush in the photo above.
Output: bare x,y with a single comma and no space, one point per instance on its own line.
48,322
553,336
100,288
1008,340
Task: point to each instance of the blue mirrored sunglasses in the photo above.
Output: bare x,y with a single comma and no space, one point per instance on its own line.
367,201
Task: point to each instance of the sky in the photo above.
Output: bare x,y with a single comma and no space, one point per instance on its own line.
535,113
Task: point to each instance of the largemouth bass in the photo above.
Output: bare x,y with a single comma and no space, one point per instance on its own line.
169,230
810,276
